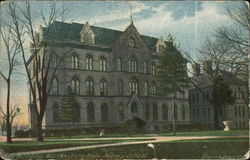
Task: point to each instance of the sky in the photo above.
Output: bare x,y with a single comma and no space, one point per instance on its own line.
190,22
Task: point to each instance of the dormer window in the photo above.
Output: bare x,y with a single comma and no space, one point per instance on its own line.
87,35
160,44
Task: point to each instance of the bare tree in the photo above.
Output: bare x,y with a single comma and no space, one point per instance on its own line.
10,50
238,36
2,123
14,112
40,67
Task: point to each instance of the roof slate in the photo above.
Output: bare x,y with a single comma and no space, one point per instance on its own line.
103,36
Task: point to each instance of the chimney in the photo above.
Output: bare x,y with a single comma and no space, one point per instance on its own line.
207,67
196,69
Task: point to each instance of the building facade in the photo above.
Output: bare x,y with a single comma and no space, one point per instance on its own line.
113,74
201,110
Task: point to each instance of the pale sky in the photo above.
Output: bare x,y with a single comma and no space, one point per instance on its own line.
190,22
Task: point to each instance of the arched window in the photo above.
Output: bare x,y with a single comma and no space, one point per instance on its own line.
145,67
183,112
89,87
54,61
132,64
90,113
56,117
155,112
164,112
119,64
176,112
134,108
54,88
74,61
120,87
133,87
104,88
146,88
147,112
89,62
121,113
102,64
153,88
75,86
153,69
243,111
104,112
208,113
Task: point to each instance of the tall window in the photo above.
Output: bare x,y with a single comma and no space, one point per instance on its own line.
235,111
90,113
120,87
176,112
75,86
239,111
89,62
54,61
102,64
147,112
74,62
197,97
155,112
54,87
153,88
208,113
183,112
243,111
104,112
164,112
134,108
145,67
119,64
132,64
133,86
103,89
153,69
90,87
121,113
56,117
146,88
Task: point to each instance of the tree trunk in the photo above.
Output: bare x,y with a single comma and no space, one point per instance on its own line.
39,132
8,125
216,117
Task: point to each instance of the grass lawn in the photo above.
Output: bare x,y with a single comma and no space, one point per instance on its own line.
97,136
209,133
22,146
185,149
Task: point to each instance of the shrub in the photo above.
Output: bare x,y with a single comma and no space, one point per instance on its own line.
19,133
25,133
134,125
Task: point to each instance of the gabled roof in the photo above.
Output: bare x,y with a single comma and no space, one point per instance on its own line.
103,36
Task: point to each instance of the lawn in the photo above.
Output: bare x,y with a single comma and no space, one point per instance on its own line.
185,149
97,136
22,146
209,133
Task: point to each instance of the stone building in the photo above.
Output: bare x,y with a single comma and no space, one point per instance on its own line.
201,110
113,74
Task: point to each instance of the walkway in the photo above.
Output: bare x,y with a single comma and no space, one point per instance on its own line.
156,139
